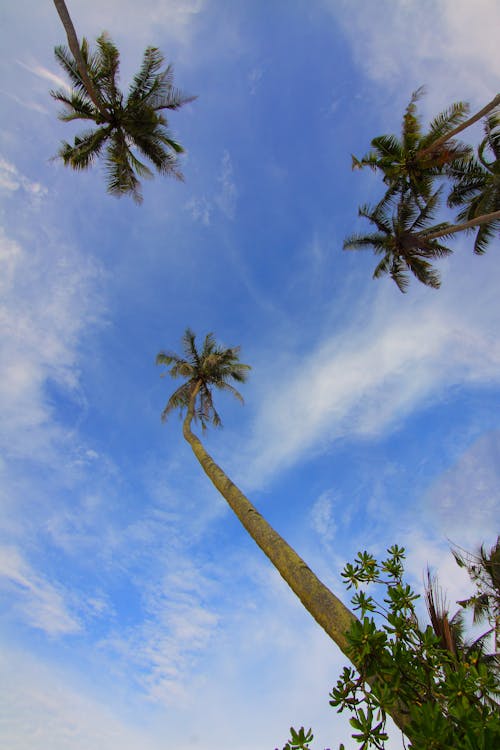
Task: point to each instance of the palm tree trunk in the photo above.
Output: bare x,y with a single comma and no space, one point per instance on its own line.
485,219
452,133
320,602
74,46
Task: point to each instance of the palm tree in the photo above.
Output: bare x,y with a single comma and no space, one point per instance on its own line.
477,184
412,162
125,126
485,604
484,571
215,367
401,240
405,241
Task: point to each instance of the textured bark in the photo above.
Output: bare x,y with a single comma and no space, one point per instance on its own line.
452,133
74,46
327,609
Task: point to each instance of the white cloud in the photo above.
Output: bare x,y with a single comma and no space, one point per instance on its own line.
465,500
399,353
176,20
42,707
254,78
224,198
11,179
177,626
451,45
200,209
322,517
47,300
227,196
47,75
41,603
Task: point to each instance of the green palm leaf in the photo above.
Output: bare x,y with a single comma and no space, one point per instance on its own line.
212,367
133,130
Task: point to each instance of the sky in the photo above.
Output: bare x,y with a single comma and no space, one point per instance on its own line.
135,612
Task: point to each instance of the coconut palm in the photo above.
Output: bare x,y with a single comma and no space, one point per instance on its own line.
413,162
126,127
450,629
215,367
406,241
477,184
401,239
484,570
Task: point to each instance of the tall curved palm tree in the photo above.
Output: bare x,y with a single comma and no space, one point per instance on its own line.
477,184
412,162
215,367
126,127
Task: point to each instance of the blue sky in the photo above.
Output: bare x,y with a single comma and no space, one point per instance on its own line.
135,612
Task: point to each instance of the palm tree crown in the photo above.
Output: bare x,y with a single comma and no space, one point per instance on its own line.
212,367
403,240
411,163
126,126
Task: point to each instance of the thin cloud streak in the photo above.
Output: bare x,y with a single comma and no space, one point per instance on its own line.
360,382
40,602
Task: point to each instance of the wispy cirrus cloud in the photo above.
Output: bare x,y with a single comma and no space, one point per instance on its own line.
399,353
11,179
224,198
41,602
47,301
457,54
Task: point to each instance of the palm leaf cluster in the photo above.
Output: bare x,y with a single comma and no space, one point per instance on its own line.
477,184
484,571
401,238
127,128
410,167
211,367
404,169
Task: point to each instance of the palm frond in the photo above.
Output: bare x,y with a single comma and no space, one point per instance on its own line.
86,148
399,275
120,174
147,77
423,271
383,267
485,235
78,106
377,215
107,69
68,64
178,400
151,146
412,129
446,121
426,213
388,147
365,241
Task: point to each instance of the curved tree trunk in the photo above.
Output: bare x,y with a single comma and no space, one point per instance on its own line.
467,123
74,46
485,219
320,602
